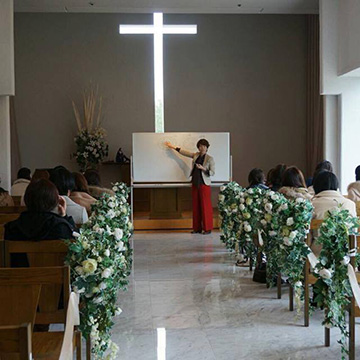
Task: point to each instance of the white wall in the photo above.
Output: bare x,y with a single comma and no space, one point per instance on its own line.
349,30
243,74
6,87
333,84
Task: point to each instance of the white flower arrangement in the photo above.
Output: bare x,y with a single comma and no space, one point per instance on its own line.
100,259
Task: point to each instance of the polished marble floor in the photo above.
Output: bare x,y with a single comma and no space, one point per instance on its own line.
187,301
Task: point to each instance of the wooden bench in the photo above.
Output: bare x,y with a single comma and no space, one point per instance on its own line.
12,209
21,291
15,342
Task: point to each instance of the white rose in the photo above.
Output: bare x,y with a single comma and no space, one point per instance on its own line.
75,234
79,270
89,266
221,198
110,214
298,284
247,215
106,273
272,233
345,260
101,218
263,222
118,311
102,286
118,233
284,206
115,188
287,241
250,191
274,197
247,227
222,188
111,204
325,273
120,246
290,221
242,200
293,234
299,200
268,207
242,207
271,193
107,252
249,201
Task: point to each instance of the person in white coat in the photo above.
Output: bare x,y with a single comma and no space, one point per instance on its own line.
354,187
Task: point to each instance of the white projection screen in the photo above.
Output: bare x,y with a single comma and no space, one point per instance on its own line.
153,162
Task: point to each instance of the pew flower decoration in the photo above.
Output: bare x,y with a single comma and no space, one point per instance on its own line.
91,147
100,259
228,204
332,289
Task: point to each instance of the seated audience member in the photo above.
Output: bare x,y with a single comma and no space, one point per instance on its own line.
38,175
293,184
327,196
44,219
95,189
321,166
22,182
65,183
5,198
80,194
275,178
268,177
354,188
256,179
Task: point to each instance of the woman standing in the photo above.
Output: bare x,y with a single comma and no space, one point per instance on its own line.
203,166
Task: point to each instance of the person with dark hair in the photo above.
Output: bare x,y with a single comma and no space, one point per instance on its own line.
276,177
63,179
293,184
320,167
94,184
256,179
21,183
268,177
327,196
80,193
354,188
45,217
203,167
5,198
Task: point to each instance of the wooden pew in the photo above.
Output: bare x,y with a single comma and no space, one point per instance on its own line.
44,253
15,342
12,209
20,290
5,218
17,200
357,208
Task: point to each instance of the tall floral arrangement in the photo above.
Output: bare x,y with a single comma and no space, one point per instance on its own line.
100,259
332,288
91,147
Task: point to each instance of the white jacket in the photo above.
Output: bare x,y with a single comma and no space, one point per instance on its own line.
328,200
19,187
354,191
77,212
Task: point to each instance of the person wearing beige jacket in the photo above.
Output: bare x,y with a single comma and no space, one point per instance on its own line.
203,167
327,197
354,188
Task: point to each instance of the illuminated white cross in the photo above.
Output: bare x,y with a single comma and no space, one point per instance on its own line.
158,30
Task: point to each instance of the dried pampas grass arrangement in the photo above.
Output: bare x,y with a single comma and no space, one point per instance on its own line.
92,106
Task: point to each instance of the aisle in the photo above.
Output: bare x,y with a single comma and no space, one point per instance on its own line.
210,309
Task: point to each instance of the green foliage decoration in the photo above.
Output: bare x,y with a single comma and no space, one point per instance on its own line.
100,259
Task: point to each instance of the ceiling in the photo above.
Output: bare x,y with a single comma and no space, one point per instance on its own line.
171,6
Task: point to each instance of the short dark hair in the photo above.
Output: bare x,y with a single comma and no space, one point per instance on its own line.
256,177
357,173
63,180
323,166
40,174
81,183
325,180
203,142
293,177
41,195
277,175
24,173
92,177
